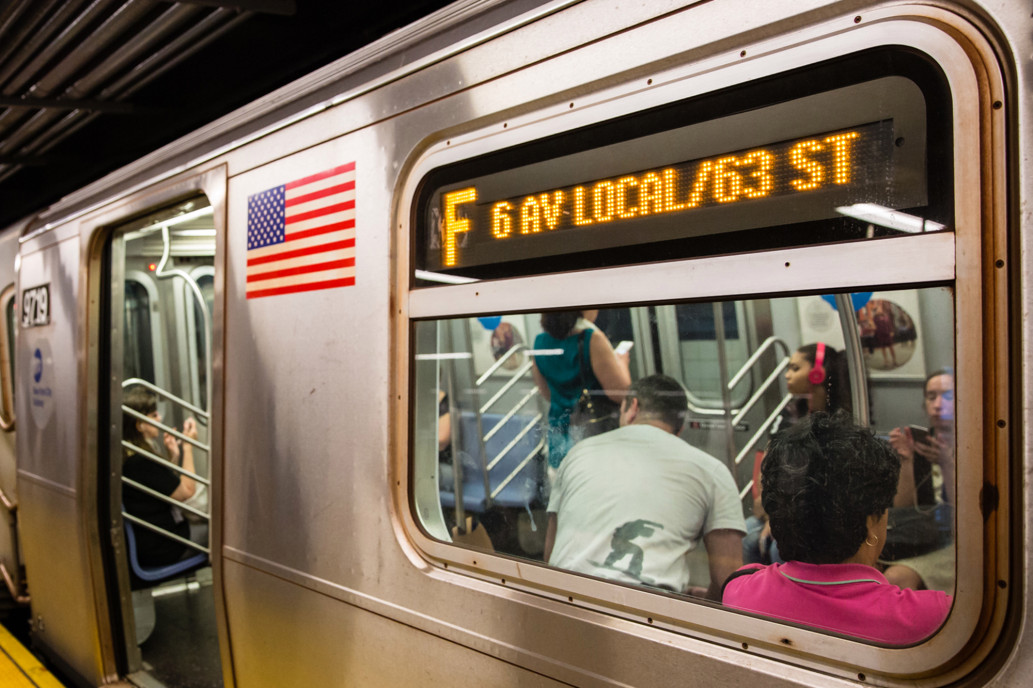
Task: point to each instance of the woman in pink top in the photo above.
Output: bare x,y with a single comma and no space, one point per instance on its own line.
827,487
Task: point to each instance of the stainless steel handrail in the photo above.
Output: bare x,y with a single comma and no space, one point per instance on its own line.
764,346
753,440
164,462
534,422
761,389
134,381
509,478
512,412
524,370
151,456
516,440
7,502
513,350
165,428
164,498
161,531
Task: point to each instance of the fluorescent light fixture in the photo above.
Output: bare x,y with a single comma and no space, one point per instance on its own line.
887,217
444,279
185,217
195,232
444,357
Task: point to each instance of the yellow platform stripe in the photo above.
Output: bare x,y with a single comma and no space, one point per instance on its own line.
19,667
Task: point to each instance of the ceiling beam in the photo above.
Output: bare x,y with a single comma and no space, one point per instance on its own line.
55,104
26,160
281,7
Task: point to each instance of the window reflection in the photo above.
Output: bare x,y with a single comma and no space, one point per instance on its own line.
499,408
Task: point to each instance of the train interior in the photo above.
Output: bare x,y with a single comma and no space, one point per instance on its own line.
490,490
161,299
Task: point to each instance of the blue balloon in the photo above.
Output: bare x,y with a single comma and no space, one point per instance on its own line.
490,322
857,299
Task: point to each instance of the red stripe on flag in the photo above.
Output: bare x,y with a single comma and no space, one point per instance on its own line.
310,286
319,212
321,248
302,269
322,229
321,175
329,191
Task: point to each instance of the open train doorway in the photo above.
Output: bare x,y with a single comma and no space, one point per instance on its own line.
157,454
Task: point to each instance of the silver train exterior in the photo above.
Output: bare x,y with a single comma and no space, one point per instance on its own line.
329,568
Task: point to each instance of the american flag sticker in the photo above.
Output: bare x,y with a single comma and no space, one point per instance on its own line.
301,235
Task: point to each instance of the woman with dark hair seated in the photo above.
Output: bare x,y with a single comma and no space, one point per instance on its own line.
155,549
828,485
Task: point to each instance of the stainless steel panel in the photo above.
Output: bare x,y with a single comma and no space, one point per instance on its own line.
318,543
63,614
48,394
382,641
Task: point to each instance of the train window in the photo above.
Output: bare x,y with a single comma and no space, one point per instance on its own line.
756,288
138,339
494,393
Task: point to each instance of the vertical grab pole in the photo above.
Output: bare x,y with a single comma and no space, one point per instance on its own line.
726,393
855,362
453,417
162,273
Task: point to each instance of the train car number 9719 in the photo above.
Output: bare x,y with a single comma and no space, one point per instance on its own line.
36,306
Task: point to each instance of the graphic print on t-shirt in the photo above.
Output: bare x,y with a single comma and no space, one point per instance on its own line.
621,546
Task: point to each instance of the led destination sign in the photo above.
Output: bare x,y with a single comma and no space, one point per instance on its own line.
808,175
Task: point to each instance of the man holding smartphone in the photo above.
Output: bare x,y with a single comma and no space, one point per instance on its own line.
927,483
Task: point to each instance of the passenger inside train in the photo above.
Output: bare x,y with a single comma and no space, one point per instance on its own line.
747,374
140,466
573,356
919,553
632,503
828,487
817,378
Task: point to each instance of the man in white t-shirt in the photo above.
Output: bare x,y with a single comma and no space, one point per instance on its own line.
631,504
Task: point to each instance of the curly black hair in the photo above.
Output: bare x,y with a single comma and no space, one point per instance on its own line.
822,478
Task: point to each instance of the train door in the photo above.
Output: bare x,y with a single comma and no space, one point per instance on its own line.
12,592
157,398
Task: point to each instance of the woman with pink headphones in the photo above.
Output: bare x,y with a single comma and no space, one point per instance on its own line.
817,378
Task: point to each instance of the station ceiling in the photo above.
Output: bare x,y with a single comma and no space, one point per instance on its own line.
87,86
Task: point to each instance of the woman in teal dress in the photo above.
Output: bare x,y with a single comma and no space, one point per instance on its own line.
558,374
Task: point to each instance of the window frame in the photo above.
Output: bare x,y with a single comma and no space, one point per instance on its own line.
954,258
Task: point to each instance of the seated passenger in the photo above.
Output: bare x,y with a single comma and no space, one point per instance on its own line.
818,379
828,486
631,504
920,551
154,549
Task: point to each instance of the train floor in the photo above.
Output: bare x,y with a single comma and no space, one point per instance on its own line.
183,649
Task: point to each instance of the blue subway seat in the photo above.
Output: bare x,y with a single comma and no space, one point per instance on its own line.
522,490
156,574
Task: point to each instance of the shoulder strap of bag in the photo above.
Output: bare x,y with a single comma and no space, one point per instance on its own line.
583,360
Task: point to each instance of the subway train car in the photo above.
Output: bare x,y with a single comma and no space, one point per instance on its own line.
341,286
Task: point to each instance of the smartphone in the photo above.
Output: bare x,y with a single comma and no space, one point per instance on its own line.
624,347
918,433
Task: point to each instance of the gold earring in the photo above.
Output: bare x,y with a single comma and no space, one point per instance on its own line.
871,544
